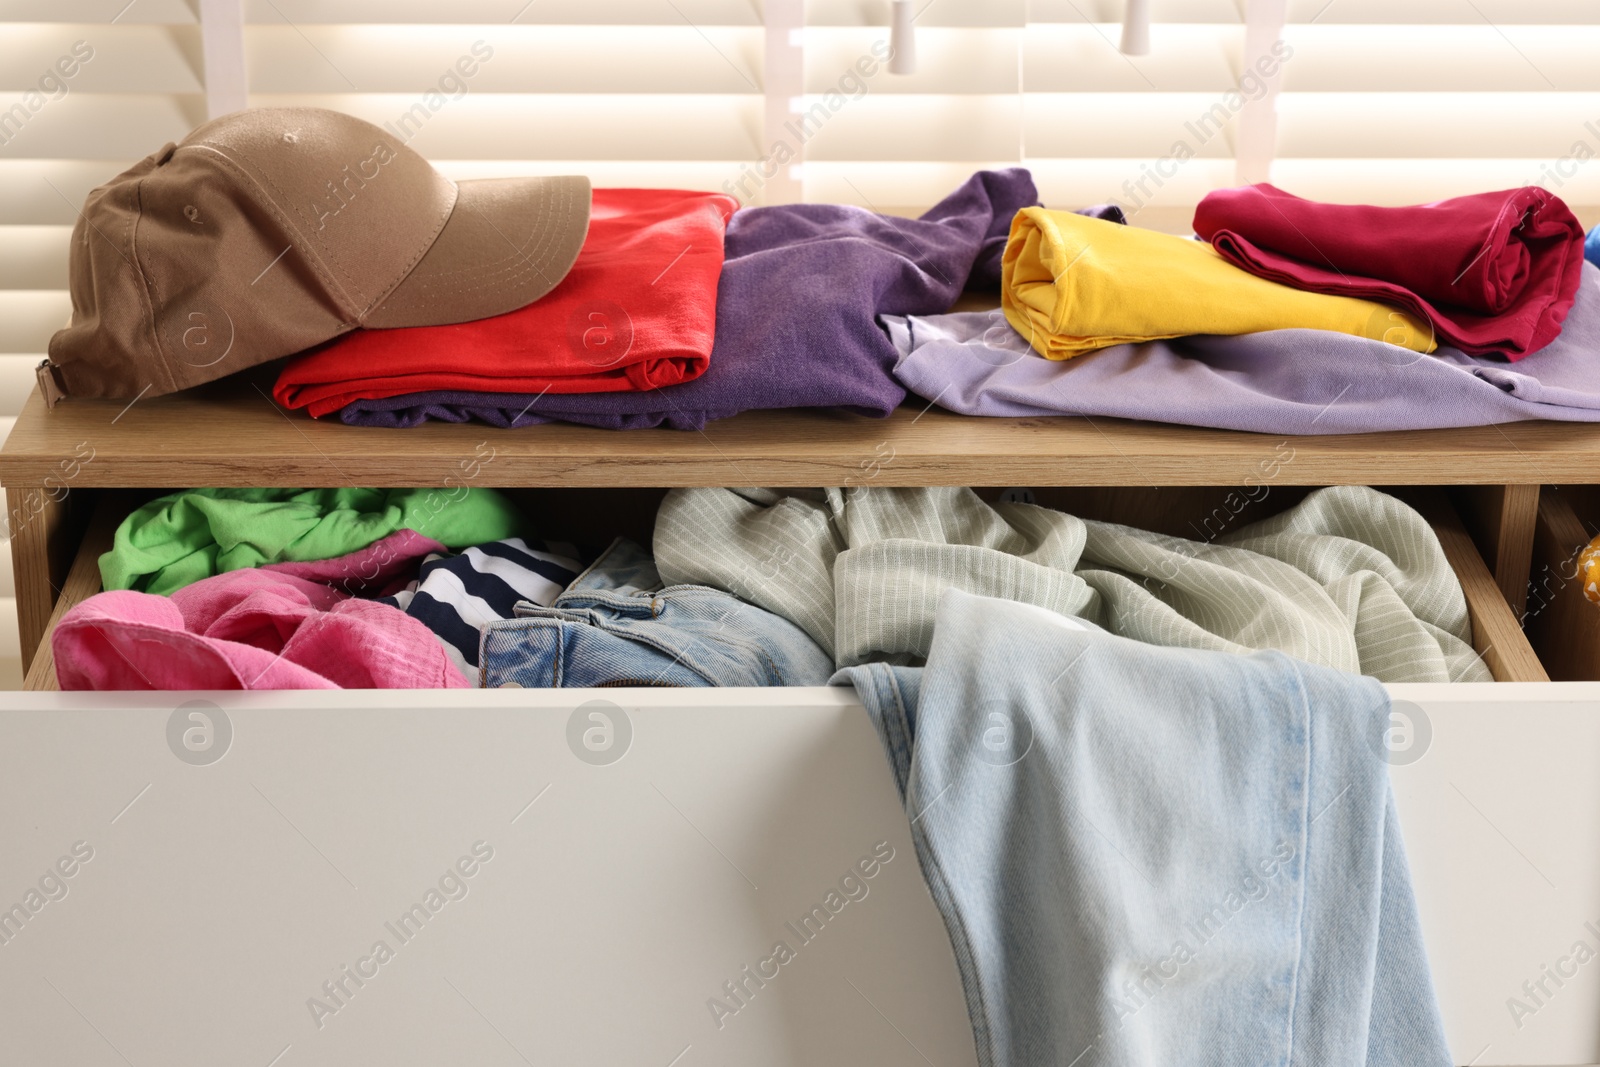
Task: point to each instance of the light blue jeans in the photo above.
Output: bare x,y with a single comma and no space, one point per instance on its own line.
1157,856
615,625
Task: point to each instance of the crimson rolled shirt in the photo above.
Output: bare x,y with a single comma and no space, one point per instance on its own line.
636,312
1494,273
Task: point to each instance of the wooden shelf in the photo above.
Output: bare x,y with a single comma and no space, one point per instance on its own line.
231,434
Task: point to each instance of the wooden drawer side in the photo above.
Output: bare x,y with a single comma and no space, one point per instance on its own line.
82,582
1562,623
1496,633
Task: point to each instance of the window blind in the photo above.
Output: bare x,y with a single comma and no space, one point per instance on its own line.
85,90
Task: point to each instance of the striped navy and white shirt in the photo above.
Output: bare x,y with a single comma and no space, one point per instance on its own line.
456,596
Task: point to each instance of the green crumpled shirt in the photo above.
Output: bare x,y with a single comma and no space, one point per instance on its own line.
196,533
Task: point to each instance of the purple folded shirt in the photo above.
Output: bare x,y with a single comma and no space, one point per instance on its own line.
1280,382
801,287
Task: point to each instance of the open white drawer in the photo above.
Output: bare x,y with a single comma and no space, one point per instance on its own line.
624,892
1501,817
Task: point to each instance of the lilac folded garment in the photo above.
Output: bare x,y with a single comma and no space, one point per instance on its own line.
246,629
1281,382
800,287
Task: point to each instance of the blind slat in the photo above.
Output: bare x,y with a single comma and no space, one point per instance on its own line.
969,14
1432,59
100,59
100,12
1416,181
1128,125
33,257
524,126
678,60
101,125
1500,13
525,12
949,61
908,129
29,317
16,378
50,191
1444,126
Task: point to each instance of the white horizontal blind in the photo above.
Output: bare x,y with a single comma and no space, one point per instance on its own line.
1402,101
900,142
80,100
86,89
1382,101
629,92
1037,82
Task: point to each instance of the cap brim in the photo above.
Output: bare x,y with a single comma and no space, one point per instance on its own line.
508,242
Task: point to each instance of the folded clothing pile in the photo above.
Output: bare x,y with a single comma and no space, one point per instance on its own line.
1493,274
800,289
518,301
1242,332
1073,285
1279,381
636,312
1296,317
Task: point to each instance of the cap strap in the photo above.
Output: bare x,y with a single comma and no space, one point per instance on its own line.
49,385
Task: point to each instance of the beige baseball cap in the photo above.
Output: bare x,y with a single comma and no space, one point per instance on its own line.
271,230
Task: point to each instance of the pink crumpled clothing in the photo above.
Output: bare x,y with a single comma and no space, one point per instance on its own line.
381,569
267,628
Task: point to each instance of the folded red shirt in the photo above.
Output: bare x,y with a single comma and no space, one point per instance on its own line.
637,311
1495,273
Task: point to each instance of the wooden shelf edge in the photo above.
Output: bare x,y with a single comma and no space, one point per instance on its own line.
230,434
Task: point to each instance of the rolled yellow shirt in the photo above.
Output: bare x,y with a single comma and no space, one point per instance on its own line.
1072,284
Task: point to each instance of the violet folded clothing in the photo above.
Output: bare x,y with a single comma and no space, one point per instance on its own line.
1280,382
1494,273
987,271
801,286
246,629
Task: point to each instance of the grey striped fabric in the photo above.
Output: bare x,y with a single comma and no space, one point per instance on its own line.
1350,578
